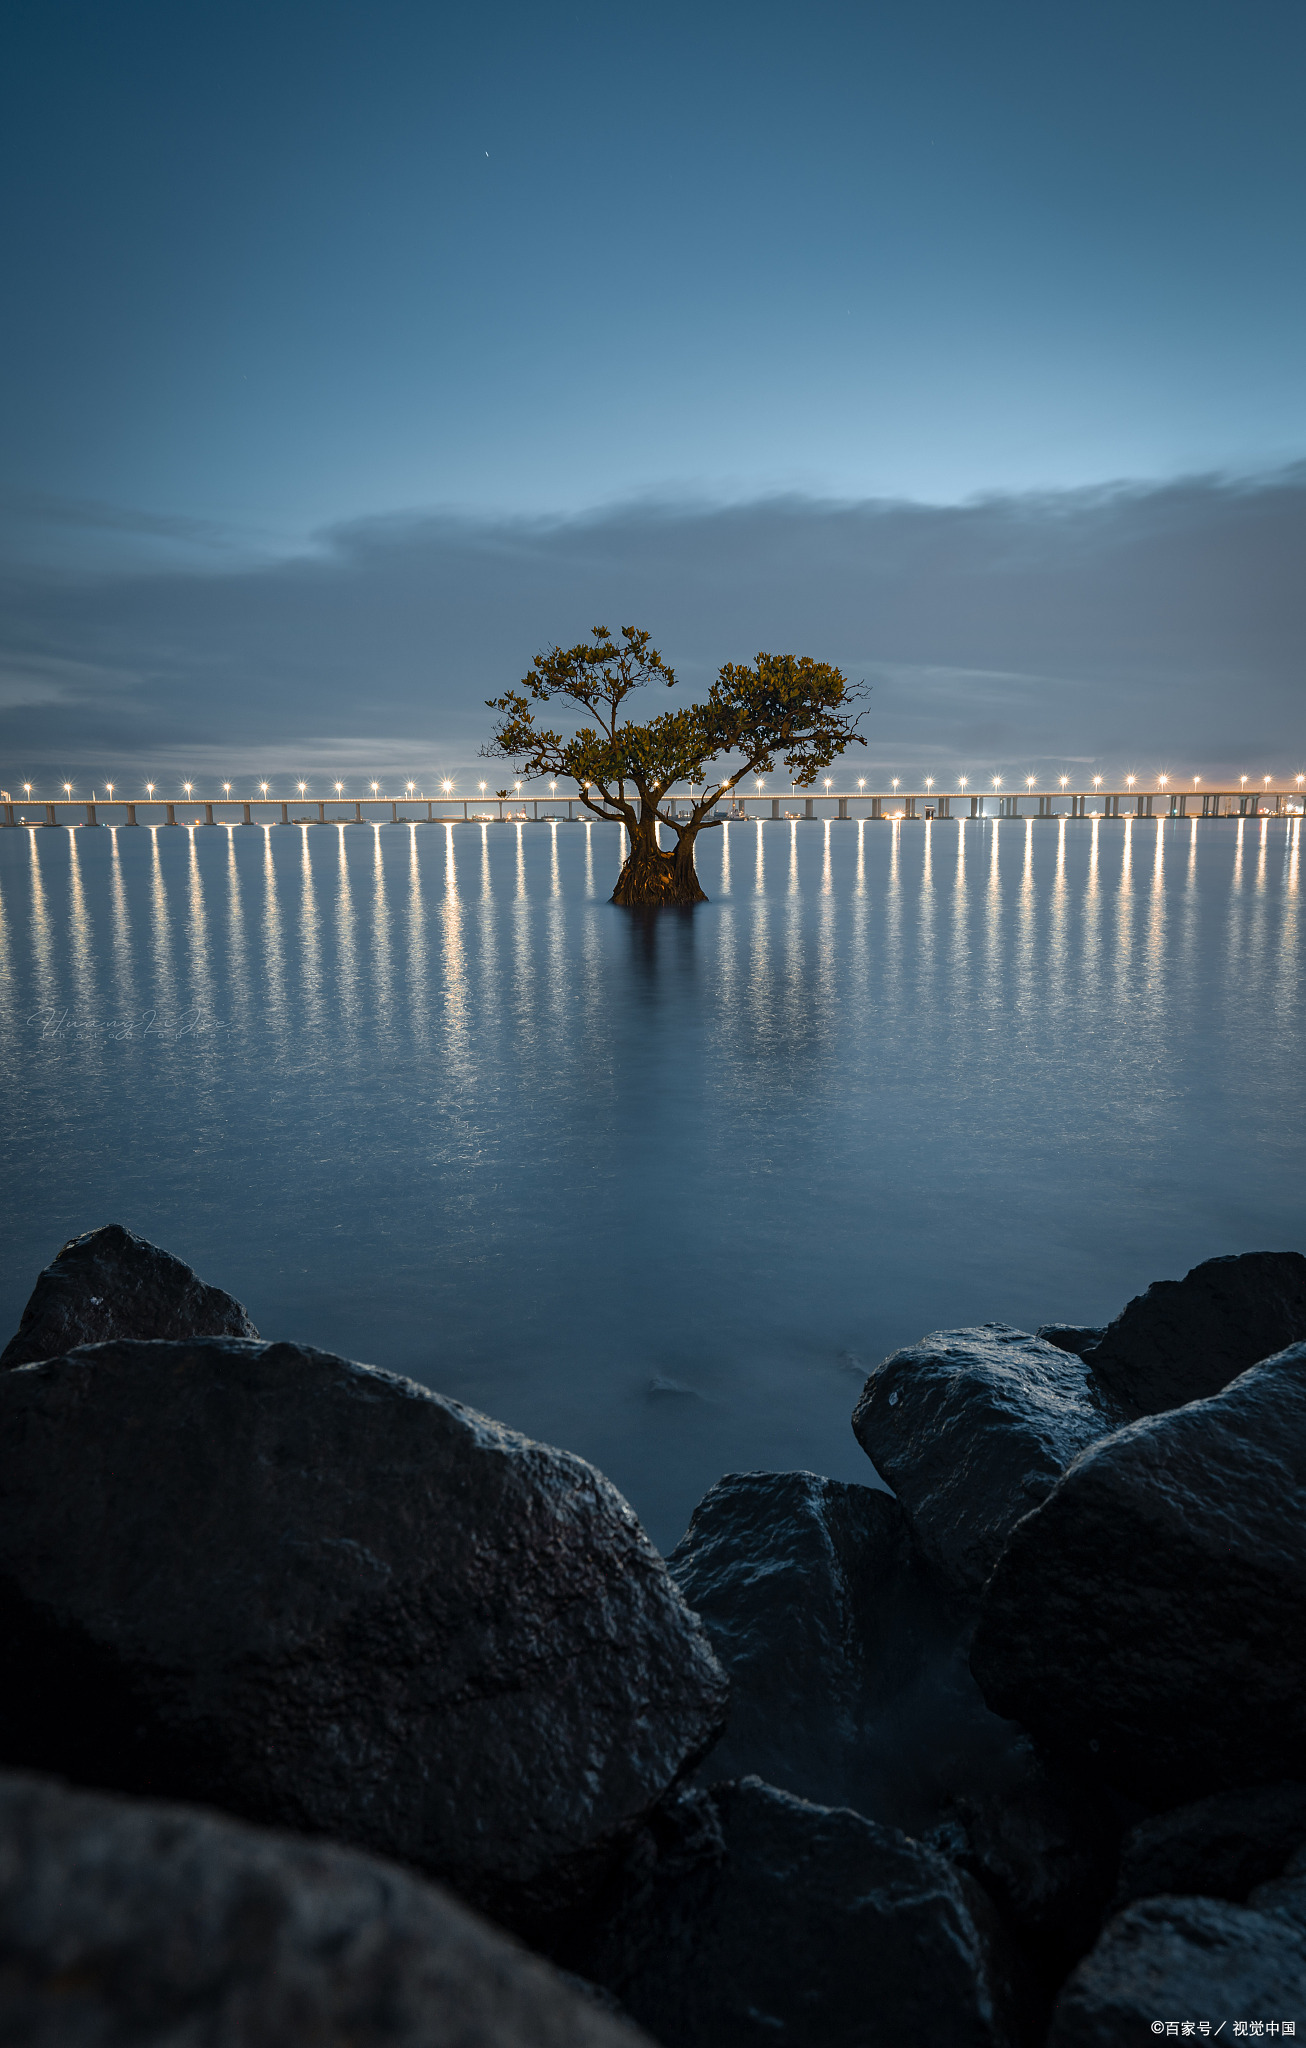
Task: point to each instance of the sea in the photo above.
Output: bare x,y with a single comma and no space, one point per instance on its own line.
659,1188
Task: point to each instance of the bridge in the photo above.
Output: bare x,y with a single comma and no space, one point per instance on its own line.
887,805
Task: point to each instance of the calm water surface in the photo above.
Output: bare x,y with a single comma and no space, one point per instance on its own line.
659,1190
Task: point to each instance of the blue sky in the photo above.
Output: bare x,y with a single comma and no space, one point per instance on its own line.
274,272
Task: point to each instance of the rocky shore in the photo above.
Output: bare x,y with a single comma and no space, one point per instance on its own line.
335,1711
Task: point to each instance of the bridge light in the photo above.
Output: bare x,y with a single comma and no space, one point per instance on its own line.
339,788
1064,780
1029,782
226,787
263,786
109,787
1196,780
997,782
861,782
962,780
27,787
1243,780
1266,779
446,785
1161,781
68,789
929,782
896,780
1097,782
188,786
1130,780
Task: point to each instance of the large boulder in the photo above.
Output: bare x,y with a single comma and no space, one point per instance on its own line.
753,1917
1146,1619
110,1283
126,1922
325,1598
1170,1959
1186,1339
847,1685
1217,1848
973,1428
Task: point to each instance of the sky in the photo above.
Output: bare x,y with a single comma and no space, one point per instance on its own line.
351,354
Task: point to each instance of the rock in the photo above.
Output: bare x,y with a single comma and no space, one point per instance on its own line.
754,1917
1175,1959
1045,1849
972,1428
1186,1339
322,1597
1219,1848
1146,1619
110,1283
847,1686
1077,1337
1286,1895
128,1922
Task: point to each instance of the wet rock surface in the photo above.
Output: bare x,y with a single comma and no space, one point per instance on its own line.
972,1428
1177,1959
1218,1848
748,1916
1145,1620
1184,1340
110,1283
129,1922
847,1683
320,1596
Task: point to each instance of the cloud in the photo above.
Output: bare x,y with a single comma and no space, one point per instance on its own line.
1137,627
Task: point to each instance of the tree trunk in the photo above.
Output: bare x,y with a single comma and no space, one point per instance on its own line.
652,879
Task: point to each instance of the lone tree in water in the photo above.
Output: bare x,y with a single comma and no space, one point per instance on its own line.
786,705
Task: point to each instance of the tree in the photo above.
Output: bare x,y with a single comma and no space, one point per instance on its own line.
786,705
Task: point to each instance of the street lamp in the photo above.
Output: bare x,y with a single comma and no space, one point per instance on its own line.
962,781
27,787
149,788
1130,780
340,788
861,782
226,789
1267,780
896,780
827,782
1196,780
1243,780
1097,782
67,789
109,787
376,786
446,785
483,788
997,782
1029,782
188,786
929,782
410,787
1064,780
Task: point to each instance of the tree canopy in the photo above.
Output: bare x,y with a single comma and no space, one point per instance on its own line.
784,706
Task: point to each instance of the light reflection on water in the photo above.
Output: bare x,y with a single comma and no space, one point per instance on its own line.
421,1095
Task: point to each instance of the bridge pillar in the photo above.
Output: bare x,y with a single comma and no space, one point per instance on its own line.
321,811
945,806
131,814
877,806
246,820
810,809
9,812
50,818
775,807
394,810
171,813
90,814
358,811
208,814
909,806
285,813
